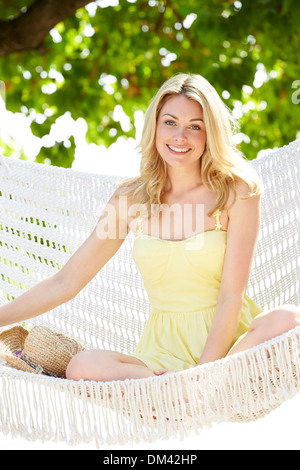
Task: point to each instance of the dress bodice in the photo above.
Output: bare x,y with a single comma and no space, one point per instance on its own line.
182,275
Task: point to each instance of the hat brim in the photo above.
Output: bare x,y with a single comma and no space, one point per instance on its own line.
10,341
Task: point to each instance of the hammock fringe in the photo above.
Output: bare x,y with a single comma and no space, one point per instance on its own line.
242,388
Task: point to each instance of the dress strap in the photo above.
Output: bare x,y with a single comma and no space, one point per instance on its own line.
218,224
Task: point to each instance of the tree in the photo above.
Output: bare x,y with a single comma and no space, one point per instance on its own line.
87,59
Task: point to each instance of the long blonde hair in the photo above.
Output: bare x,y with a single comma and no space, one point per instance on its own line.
222,165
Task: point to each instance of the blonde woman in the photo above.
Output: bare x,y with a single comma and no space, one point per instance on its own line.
195,214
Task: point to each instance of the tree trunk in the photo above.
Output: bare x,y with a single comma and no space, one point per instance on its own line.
27,32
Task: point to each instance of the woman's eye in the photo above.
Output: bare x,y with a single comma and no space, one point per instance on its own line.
194,127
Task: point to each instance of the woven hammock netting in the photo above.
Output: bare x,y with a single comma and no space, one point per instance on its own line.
46,213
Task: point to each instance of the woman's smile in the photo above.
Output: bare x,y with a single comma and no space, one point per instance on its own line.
177,150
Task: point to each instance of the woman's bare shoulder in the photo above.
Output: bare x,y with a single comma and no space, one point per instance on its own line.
239,193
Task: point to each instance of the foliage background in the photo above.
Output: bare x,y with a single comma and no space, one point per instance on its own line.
118,52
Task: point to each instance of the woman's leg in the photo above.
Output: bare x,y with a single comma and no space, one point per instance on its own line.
105,366
268,325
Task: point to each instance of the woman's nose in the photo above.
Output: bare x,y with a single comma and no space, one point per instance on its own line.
180,132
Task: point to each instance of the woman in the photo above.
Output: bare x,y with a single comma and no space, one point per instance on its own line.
195,213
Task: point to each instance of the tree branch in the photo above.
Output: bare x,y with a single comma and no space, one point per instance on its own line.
180,19
28,31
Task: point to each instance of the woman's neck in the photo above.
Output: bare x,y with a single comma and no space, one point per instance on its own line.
182,182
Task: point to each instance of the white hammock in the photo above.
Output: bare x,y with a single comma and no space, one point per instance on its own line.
45,214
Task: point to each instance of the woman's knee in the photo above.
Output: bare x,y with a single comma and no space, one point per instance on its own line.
90,365
279,320
77,367
287,317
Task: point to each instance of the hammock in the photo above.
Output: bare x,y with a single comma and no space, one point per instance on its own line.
45,214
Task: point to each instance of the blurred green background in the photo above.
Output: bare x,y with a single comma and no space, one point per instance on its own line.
98,60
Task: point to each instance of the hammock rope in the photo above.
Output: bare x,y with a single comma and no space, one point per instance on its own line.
45,214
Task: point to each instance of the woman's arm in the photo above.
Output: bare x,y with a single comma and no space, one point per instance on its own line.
242,234
91,256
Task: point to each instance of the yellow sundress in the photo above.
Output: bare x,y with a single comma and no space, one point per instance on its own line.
182,280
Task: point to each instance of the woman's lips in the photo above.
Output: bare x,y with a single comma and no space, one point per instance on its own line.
178,150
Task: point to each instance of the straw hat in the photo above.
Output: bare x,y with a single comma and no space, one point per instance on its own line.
39,350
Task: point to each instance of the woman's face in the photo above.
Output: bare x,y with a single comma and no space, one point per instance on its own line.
180,132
